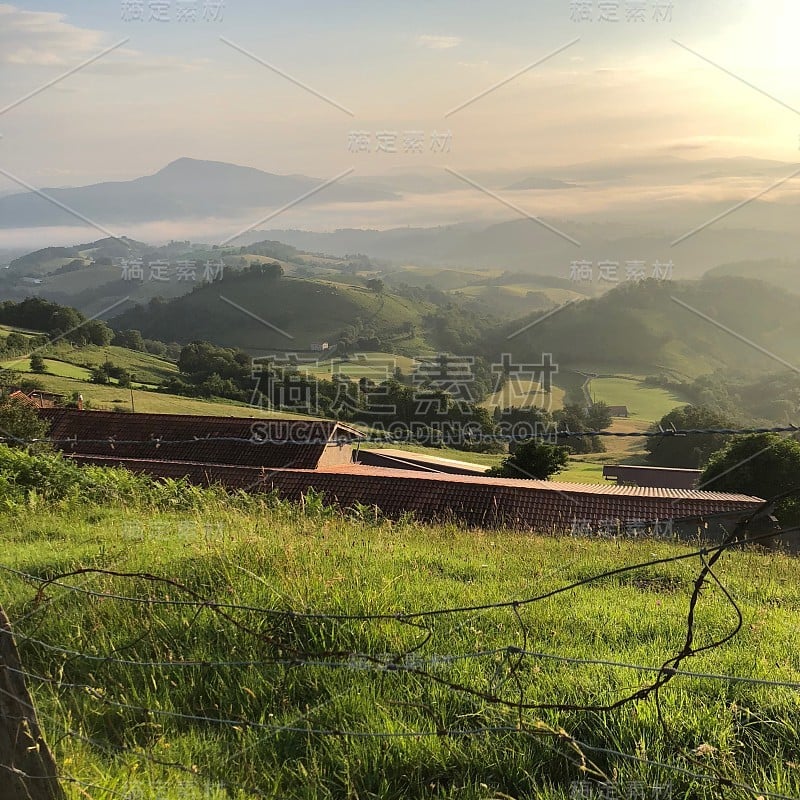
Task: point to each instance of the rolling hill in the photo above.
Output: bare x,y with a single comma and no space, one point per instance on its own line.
778,272
692,327
262,315
523,245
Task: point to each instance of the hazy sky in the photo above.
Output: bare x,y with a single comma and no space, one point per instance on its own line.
621,93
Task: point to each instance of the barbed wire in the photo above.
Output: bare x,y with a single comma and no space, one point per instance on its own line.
357,661
106,747
722,782
399,616
474,438
411,662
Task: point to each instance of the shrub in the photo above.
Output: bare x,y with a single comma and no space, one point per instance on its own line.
533,459
37,364
19,423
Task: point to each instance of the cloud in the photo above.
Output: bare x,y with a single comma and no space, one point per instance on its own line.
43,38
438,42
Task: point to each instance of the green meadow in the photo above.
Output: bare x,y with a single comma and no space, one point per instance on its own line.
216,646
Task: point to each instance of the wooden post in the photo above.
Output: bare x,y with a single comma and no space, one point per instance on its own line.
27,768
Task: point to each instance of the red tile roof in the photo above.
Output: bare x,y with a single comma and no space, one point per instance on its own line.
21,397
245,441
480,501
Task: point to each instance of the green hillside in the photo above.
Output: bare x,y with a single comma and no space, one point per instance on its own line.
693,328
49,259
261,314
68,361
68,373
114,397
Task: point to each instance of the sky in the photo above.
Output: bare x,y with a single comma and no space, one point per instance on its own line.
318,87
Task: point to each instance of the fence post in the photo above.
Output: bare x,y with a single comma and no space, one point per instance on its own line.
27,765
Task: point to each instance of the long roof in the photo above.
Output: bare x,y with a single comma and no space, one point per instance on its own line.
476,500
411,460
247,441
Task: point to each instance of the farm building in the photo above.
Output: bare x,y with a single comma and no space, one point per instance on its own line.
470,499
618,411
303,444
36,398
292,457
658,477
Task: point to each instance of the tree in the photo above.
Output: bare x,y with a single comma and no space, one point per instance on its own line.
10,379
19,423
762,465
98,333
99,375
599,416
690,451
37,364
273,270
532,459
155,347
132,339
16,341
575,418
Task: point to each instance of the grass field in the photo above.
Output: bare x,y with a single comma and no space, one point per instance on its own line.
146,367
376,366
100,397
524,394
581,471
61,369
648,403
145,690
67,361
6,329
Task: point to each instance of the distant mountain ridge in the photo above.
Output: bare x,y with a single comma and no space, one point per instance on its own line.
526,246
186,188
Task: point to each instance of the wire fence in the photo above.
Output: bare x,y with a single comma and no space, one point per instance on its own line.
502,689
297,436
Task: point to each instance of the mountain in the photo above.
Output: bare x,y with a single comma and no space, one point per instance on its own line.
525,245
185,189
778,272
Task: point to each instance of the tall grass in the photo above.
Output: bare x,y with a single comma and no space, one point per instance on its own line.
156,699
